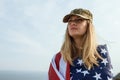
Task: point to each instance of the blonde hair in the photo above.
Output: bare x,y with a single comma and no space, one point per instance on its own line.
89,51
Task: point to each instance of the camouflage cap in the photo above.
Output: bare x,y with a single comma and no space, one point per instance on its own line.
83,13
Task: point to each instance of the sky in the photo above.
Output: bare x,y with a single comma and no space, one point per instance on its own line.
32,31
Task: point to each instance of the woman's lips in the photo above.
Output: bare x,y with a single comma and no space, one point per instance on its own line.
73,28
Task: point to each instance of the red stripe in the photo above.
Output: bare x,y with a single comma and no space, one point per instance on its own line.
68,72
52,74
57,60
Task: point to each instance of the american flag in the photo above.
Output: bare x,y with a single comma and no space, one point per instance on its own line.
60,70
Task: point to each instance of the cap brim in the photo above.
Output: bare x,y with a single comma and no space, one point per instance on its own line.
66,18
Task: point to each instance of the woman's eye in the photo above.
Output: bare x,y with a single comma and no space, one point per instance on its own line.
76,20
80,20
69,20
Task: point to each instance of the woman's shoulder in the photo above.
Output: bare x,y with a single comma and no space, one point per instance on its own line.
102,49
104,53
57,55
101,46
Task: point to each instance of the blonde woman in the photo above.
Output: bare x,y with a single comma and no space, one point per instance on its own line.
80,58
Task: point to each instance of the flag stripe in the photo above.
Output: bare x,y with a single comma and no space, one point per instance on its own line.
58,68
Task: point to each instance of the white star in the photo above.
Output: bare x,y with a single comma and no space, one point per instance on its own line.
85,72
71,78
104,61
80,62
111,70
97,76
109,78
103,51
78,70
100,67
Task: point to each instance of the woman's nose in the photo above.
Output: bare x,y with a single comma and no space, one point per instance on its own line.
73,23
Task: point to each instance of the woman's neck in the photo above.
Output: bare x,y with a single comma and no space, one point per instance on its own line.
78,42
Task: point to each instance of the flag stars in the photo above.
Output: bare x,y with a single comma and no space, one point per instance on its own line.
80,62
85,72
104,61
71,78
111,70
109,78
97,76
100,67
103,51
78,70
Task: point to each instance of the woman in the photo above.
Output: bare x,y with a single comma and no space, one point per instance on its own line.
80,58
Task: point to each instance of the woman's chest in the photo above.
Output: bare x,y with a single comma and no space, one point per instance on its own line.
80,72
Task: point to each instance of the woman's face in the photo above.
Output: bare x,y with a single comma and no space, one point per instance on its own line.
76,26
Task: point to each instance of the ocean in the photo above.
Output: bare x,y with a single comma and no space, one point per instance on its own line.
23,75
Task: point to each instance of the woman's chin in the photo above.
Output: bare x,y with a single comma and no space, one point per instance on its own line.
74,35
